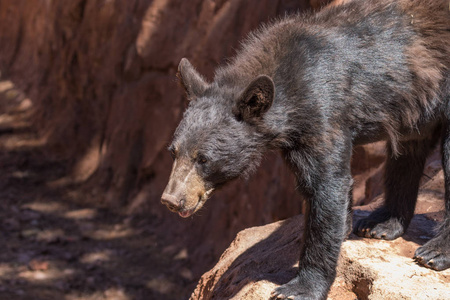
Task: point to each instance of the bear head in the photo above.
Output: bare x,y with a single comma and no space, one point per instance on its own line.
219,138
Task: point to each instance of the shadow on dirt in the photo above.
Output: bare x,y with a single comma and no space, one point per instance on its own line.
54,246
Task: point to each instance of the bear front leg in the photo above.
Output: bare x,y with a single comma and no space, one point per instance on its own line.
326,191
435,254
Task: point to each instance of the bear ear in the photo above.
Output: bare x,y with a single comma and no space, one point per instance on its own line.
255,100
192,82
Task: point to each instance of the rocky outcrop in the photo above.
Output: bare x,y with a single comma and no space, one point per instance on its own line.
261,258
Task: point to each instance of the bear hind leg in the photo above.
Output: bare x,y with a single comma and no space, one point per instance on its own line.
435,254
402,176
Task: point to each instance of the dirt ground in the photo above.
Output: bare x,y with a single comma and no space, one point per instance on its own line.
55,244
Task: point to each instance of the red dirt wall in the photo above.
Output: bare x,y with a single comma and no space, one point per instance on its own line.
101,76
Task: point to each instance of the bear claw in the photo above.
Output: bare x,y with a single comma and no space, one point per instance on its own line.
432,256
275,295
379,226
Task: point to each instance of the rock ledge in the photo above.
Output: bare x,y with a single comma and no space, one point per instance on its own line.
261,258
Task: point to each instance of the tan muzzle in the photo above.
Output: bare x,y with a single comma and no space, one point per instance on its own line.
185,193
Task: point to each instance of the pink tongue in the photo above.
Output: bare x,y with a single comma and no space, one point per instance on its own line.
184,214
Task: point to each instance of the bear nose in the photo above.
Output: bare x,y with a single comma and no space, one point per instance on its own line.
171,202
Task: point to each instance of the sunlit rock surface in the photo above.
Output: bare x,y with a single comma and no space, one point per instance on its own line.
261,258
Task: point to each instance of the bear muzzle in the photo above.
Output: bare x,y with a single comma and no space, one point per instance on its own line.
185,193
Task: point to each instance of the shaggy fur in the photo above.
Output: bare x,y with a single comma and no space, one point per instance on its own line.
314,86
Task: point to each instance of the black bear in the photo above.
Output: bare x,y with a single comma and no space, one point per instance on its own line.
314,86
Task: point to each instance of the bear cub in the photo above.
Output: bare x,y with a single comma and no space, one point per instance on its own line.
314,86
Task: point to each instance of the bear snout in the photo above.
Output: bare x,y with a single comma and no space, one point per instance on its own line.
172,202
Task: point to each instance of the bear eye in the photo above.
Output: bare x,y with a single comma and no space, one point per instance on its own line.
173,152
201,159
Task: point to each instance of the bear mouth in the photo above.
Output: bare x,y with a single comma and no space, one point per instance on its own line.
185,213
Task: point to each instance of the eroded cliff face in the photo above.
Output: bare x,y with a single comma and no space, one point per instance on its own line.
101,79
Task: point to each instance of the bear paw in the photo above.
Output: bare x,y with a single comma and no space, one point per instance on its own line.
435,254
379,225
296,290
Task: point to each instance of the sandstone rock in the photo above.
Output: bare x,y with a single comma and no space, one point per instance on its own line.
261,258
